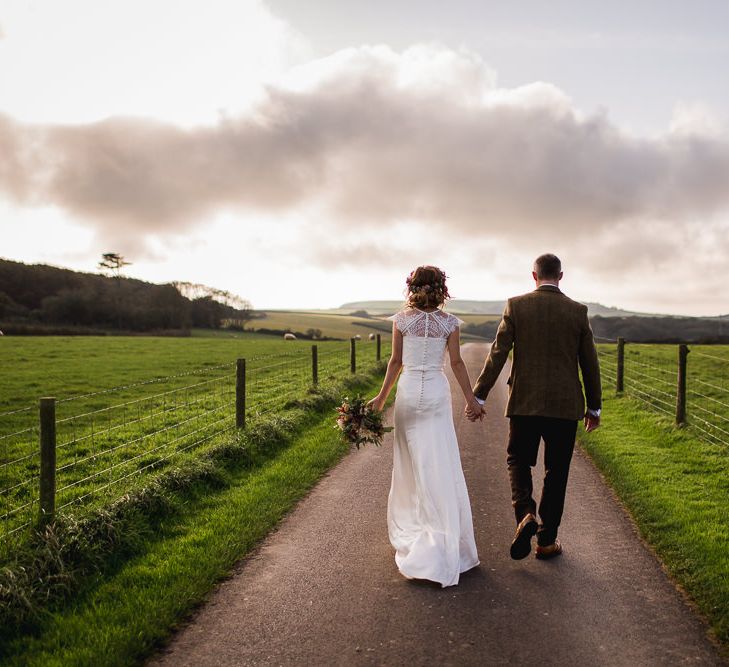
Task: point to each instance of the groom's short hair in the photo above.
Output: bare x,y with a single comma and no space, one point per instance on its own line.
547,267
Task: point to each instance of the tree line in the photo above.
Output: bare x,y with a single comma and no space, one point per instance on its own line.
36,298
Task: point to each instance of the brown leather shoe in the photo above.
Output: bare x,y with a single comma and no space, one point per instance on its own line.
521,546
550,551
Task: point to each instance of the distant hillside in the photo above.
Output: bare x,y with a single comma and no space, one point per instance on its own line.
461,306
607,323
467,307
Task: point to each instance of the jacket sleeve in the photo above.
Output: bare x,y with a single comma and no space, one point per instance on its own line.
497,356
590,367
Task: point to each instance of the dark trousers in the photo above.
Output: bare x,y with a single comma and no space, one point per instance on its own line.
525,433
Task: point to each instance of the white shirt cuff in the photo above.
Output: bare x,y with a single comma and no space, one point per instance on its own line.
480,400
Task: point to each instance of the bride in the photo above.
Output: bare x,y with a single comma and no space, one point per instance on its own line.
428,511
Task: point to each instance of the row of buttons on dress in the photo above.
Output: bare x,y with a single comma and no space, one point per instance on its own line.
423,361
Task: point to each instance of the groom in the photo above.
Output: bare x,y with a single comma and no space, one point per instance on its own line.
551,336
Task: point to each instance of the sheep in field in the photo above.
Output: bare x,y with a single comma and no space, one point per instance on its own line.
289,336
371,336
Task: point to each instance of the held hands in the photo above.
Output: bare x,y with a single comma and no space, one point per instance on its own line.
474,410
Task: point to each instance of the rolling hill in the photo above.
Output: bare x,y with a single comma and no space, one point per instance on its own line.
608,323
466,307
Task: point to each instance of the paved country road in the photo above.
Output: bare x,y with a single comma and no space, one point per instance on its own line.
323,588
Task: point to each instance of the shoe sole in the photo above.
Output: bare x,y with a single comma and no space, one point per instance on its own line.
548,556
521,547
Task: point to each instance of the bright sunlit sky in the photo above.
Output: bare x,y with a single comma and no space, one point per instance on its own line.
306,154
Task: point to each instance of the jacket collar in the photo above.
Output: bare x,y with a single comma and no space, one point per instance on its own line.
548,288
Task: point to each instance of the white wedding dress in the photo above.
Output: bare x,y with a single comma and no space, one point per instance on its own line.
428,511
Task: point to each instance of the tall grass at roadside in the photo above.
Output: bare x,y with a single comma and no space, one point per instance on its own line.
675,486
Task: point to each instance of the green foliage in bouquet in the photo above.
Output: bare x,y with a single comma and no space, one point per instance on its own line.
359,424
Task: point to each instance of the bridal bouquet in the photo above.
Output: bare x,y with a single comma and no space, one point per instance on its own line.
359,424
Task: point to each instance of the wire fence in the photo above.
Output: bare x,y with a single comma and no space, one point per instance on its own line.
608,357
690,385
708,394
105,441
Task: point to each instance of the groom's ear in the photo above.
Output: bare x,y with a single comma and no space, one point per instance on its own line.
534,275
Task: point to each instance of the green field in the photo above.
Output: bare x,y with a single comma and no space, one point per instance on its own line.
67,366
469,318
651,377
331,325
130,406
339,324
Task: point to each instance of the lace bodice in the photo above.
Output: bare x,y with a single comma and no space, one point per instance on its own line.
424,338
414,322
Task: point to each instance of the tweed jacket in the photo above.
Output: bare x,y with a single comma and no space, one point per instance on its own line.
551,338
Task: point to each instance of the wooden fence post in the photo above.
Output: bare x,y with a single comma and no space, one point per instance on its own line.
681,387
314,364
619,383
240,393
352,356
379,347
47,460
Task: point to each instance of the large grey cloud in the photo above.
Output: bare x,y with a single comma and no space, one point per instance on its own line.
375,136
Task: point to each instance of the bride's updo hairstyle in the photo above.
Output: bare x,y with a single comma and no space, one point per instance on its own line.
427,288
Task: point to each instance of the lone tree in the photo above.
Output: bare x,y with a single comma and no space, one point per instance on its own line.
113,262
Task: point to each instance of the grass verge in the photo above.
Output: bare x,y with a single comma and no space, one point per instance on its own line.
127,596
676,488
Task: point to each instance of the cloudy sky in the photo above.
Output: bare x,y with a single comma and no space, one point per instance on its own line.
305,154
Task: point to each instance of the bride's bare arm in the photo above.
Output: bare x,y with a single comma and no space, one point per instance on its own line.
461,372
394,366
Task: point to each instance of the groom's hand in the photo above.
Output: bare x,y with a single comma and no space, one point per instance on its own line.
591,422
